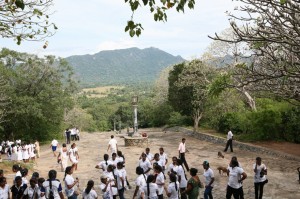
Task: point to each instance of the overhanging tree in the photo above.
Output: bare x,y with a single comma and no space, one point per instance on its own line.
26,19
271,29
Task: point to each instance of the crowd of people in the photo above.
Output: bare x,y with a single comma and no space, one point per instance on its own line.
19,151
157,178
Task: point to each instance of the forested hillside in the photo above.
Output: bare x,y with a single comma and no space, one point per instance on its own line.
125,66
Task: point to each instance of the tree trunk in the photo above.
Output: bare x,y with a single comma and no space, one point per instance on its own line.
197,117
250,100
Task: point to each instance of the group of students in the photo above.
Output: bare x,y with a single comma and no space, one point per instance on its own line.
39,188
20,151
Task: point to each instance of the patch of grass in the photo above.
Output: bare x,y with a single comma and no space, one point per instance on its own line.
6,166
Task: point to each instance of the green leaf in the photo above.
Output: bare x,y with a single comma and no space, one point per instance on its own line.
126,28
20,4
19,39
132,33
55,27
145,2
282,1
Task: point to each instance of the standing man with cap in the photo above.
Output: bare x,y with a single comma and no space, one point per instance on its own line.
182,150
229,141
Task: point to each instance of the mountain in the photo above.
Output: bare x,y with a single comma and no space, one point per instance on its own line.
124,66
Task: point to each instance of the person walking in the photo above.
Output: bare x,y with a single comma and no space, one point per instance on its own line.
37,148
112,145
209,180
236,176
63,157
260,179
229,141
89,192
53,146
172,191
182,150
74,156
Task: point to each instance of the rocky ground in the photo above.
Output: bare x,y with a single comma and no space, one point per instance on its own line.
282,174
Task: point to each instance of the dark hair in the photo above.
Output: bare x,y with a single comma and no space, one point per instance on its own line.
110,167
1,170
106,156
67,171
258,159
179,162
24,172
173,179
149,180
147,149
161,148
139,170
52,174
41,180
158,167
112,136
64,145
193,171
114,154
16,167
234,163
89,186
120,164
2,179
18,178
35,175
120,154
183,139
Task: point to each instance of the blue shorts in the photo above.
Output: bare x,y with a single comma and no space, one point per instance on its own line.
53,148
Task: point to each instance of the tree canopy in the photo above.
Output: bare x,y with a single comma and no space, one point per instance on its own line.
40,94
271,31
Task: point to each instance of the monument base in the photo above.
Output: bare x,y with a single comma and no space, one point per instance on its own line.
136,141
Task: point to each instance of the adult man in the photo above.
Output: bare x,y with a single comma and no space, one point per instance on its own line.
54,145
229,141
68,135
113,145
181,151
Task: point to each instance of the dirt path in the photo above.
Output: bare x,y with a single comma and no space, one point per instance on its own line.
282,174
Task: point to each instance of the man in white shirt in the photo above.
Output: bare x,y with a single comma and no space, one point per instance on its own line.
113,145
54,145
182,150
229,141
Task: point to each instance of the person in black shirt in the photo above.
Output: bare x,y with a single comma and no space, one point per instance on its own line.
18,188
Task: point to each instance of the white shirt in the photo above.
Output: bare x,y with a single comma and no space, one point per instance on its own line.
229,135
140,182
183,181
104,164
153,188
257,177
113,144
181,147
4,192
56,188
108,194
234,176
91,195
208,174
146,165
173,167
149,156
30,192
69,180
163,157
54,142
159,162
159,180
173,191
120,174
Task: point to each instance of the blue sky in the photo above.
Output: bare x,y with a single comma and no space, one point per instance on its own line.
87,27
